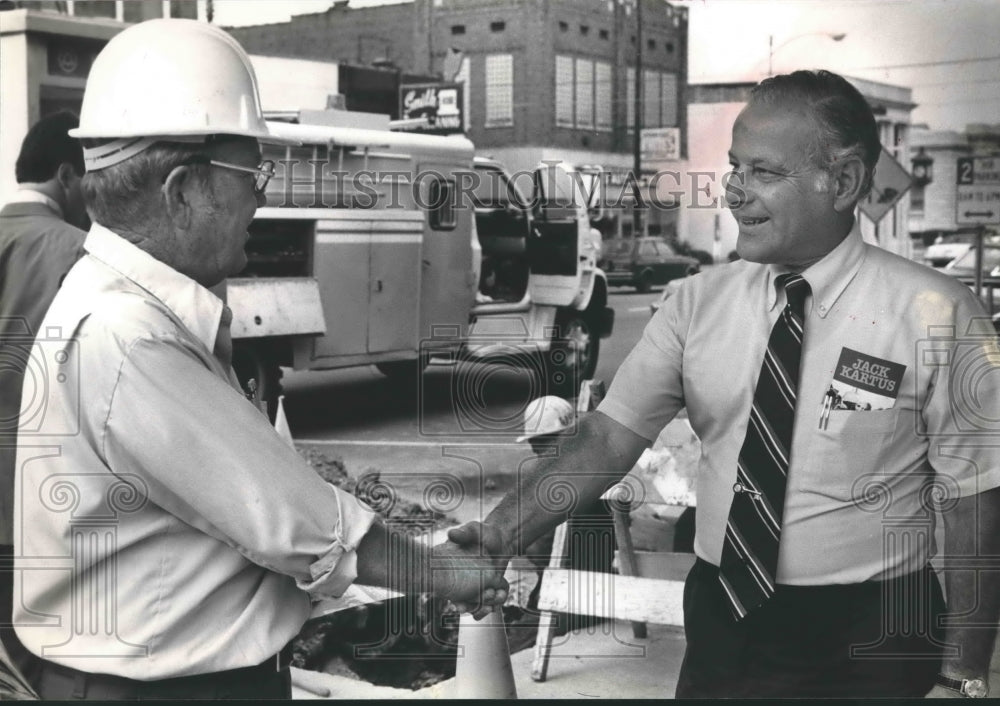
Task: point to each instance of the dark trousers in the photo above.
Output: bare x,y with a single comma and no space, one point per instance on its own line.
867,640
23,660
264,681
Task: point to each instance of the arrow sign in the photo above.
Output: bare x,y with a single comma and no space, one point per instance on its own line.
977,197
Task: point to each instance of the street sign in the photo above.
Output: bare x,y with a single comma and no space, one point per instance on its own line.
978,185
438,105
891,181
659,144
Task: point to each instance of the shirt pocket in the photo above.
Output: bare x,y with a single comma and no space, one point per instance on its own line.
848,447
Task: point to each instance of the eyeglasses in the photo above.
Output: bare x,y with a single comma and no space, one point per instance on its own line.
262,172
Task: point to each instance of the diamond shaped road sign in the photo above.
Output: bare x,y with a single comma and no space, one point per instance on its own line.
890,183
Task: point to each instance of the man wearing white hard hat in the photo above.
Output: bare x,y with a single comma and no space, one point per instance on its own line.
167,540
544,419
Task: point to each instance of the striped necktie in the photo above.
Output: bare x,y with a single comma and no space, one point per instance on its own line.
750,551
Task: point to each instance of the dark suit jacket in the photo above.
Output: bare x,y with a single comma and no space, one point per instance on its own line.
37,249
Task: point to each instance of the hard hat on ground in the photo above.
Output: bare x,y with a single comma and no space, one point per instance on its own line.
547,415
169,80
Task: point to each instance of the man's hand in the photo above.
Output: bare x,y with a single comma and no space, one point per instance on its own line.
471,580
483,539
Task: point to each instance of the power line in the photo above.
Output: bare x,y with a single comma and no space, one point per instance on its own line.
943,62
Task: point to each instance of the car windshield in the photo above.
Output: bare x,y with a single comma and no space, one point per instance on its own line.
648,249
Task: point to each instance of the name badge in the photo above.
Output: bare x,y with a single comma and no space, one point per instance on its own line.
862,383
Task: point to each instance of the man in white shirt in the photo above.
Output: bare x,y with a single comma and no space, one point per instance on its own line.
167,540
816,519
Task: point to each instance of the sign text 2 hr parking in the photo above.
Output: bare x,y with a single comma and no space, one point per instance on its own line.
977,198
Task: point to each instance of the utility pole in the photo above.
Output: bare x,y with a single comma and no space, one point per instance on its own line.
637,121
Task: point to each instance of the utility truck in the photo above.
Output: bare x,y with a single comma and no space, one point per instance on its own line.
386,248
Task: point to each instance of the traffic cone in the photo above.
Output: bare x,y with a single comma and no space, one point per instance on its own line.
281,423
483,669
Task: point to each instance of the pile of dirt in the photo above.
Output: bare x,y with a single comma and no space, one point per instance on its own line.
407,642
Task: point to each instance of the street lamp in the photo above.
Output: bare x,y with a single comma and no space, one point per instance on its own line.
771,49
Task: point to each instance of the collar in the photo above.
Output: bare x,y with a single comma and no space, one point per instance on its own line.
23,195
197,308
827,278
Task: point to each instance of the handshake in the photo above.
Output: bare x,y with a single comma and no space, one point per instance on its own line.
469,569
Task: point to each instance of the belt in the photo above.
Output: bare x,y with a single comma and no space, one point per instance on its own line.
57,681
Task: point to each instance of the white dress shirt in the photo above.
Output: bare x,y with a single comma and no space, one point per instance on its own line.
862,473
162,527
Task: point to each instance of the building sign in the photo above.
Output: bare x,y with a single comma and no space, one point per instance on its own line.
978,198
890,183
71,57
432,107
659,144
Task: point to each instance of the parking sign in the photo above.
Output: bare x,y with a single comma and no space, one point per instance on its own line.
978,184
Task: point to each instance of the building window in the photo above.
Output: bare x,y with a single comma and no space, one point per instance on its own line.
458,29
464,77
584,30
584,83
564,91
498,26
602,94
499,90
630,99
669,46
659,99
583,93
603,34
650,98
651,44
668,100
563,26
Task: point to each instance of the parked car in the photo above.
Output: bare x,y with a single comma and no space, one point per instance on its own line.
644,262
964,268
946,248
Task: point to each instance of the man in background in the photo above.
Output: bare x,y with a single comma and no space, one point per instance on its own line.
40,239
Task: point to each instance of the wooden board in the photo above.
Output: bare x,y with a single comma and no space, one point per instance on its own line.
612,596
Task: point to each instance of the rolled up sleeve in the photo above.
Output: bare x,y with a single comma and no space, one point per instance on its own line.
337,569
211,459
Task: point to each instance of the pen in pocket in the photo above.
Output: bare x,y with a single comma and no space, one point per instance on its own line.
824,414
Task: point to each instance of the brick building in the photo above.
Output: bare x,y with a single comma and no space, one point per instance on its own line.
544,79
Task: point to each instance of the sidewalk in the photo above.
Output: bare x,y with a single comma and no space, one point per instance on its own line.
604,662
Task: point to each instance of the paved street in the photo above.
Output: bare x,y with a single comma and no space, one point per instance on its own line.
448,443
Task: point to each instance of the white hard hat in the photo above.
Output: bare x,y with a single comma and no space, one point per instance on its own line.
169,79
546,415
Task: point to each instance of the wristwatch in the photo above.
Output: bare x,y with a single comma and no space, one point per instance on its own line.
971,688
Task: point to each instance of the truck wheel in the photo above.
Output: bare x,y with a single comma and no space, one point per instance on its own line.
644,282
256,362
573,355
